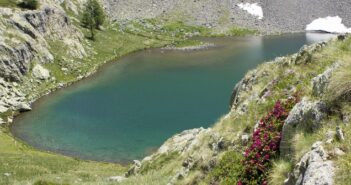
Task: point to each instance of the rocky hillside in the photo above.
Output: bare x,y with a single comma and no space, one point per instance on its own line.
280,16
308,92
302,100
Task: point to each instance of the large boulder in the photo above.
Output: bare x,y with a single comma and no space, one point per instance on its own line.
40,72
305,115
313,168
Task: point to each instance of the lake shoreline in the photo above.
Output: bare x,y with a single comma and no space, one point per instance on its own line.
72,85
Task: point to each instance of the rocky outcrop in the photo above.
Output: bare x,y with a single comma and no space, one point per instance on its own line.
40,72
313,168
24,36
11,98
182,142
306,115
320,82
304,56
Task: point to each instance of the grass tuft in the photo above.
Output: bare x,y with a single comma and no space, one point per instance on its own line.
279,172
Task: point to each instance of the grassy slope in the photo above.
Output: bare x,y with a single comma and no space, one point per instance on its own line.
234,124
22,164
26,165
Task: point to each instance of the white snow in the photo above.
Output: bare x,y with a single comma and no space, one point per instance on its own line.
328,24
253,9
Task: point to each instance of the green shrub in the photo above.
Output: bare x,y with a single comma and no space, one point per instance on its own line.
229,169
29,4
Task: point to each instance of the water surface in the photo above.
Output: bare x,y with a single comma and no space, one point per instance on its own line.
132,106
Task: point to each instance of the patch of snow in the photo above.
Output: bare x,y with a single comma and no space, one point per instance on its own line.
328,24
253,9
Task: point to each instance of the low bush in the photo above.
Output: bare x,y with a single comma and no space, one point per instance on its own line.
29,4
264,146
229,169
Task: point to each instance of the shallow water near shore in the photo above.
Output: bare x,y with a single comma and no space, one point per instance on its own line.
132,106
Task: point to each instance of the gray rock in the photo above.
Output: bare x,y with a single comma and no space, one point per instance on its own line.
3,109
23,37
339,152
134,169
23,107
40,72
305,114
313,168
320,83
279,16
339,134
1,121
245,139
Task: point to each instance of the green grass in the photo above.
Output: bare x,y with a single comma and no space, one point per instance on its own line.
279,172
229,169
25,165
8,3
288,77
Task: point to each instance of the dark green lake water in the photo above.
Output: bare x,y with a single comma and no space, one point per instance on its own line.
132,106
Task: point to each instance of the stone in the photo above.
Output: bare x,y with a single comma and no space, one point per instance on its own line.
3,109
133,170
40,72
313,168
330,136
117,178
182,142
339,152
23,107
339,134
307,114
245,139
320,83
1,121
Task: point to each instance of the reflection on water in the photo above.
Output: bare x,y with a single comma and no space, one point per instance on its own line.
315,37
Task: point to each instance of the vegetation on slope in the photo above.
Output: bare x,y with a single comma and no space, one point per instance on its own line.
22,164
287,77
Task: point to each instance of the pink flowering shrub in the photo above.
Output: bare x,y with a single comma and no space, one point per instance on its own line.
265,144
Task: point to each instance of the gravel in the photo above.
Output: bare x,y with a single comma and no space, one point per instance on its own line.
279,15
